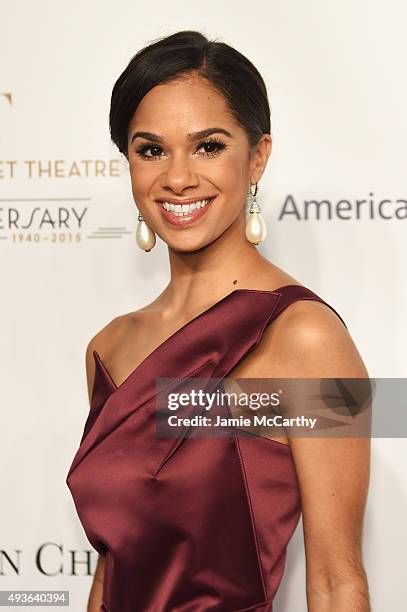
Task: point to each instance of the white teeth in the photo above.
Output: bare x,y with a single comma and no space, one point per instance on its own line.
184,209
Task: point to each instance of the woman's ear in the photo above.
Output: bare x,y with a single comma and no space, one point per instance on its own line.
259,157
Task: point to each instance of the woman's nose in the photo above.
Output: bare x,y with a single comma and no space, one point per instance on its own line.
179,173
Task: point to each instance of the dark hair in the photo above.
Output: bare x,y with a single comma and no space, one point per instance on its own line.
176,55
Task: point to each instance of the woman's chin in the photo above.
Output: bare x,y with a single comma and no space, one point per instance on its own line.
190,244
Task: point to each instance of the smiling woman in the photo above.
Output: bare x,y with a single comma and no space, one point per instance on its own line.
203,523
227,110
213,161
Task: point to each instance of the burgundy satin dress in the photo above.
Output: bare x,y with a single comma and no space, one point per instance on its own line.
202,526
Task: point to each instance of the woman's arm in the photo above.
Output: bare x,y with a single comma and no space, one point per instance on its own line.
96,591
309,341
333,477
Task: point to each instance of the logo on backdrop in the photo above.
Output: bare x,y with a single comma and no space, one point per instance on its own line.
343,209
62,218
49,559
28,218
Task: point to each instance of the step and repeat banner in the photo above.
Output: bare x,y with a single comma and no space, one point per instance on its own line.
334,198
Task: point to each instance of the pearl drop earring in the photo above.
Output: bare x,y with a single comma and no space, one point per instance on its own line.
256,229
145,237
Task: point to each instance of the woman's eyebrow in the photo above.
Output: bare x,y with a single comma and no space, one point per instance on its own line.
192,137
204,133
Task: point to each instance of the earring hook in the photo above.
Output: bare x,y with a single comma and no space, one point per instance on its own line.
255,190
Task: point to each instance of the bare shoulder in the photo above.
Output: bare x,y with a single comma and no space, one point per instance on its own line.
107,334
308,339
103,342
112,334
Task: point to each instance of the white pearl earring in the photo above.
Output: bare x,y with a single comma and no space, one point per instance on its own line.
145,237
256,229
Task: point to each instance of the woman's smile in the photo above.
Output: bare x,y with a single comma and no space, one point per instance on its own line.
184,212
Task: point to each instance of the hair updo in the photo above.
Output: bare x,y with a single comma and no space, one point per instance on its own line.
183,53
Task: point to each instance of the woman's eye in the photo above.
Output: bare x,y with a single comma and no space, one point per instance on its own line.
212,148
143,150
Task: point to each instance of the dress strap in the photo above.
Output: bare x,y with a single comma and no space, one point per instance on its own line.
292,293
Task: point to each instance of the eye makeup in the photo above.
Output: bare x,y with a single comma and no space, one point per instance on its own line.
214,142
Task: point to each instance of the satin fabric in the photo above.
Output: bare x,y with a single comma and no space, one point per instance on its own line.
199,524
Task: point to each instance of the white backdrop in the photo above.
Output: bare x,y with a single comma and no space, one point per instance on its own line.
335,76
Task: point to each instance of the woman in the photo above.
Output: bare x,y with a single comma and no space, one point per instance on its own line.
204,525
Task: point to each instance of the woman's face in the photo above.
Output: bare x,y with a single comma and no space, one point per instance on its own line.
173,162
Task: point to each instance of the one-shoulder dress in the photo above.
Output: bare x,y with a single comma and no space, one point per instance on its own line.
203,527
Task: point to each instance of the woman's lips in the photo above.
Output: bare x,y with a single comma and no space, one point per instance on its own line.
185,219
